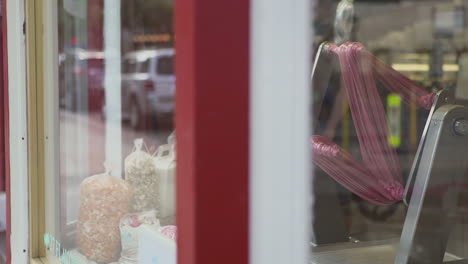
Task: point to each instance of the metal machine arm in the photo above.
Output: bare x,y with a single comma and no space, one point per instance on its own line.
441,170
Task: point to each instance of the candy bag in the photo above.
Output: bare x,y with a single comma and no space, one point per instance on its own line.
141,175
129,228
104,199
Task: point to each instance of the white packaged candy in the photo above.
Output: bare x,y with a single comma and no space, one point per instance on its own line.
157,247
169,232
165,164
104,199
129,227
141,175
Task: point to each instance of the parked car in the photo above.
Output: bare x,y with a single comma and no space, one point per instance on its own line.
148,86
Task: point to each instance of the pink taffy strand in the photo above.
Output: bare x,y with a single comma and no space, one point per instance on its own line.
378,179
350,173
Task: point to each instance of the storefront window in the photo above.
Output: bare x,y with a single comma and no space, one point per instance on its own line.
115,199
390,128
389,94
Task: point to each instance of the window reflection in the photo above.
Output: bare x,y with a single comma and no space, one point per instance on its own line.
117,160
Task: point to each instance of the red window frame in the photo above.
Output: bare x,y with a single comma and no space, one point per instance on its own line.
212,122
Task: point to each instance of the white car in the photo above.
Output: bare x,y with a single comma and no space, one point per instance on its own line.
148,86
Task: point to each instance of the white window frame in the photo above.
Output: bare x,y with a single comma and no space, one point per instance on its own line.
280,40
19,192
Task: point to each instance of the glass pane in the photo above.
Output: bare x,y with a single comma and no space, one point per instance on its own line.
383,70
116,183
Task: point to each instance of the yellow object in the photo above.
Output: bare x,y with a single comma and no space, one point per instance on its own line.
394,120
36,131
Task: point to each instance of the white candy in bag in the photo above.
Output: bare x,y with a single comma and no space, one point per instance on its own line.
129,227
165,164
104,200
169,232
140,173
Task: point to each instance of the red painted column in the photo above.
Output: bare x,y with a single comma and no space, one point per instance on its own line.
212,123
95,19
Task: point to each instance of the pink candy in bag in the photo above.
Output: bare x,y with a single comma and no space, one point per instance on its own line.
130,225
169,232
